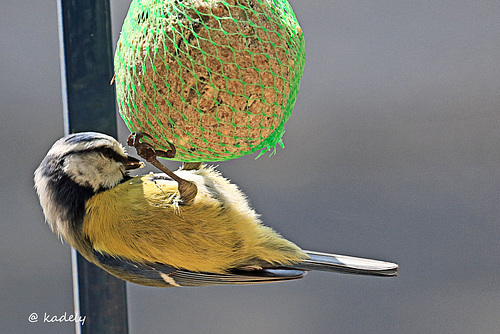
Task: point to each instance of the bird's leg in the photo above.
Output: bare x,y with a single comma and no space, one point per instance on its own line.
187,189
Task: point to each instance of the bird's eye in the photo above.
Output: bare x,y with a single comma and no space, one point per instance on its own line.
108,154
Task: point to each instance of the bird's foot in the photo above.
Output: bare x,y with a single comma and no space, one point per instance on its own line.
187,189
146,150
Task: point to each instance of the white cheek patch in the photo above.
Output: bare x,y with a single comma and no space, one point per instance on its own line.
93,170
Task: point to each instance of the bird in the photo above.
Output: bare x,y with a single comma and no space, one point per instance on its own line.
143,229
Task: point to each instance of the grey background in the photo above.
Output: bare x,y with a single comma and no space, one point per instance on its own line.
391,153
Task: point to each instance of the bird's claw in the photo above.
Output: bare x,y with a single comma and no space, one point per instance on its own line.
146,150
187,189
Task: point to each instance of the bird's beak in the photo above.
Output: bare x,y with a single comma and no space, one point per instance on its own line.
133,163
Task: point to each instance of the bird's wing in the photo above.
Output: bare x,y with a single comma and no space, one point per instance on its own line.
160,275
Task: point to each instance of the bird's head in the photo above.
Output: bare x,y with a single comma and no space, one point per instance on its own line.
76,167
90,159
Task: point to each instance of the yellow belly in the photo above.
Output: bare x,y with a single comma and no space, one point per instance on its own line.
142,220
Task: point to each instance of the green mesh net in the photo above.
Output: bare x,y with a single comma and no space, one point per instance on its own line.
217,79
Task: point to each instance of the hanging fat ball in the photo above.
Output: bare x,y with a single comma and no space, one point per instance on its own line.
216,79
141,230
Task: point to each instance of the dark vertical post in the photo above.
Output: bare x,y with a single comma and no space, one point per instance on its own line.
89,105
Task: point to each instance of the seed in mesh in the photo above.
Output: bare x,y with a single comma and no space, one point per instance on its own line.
211,77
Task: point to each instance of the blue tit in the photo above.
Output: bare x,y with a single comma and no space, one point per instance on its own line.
142,230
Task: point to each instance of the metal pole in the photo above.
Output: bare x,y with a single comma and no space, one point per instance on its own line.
89,105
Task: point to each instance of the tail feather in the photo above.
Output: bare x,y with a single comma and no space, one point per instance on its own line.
347,265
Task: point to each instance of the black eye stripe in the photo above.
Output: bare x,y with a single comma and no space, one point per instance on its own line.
106,151
110,154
